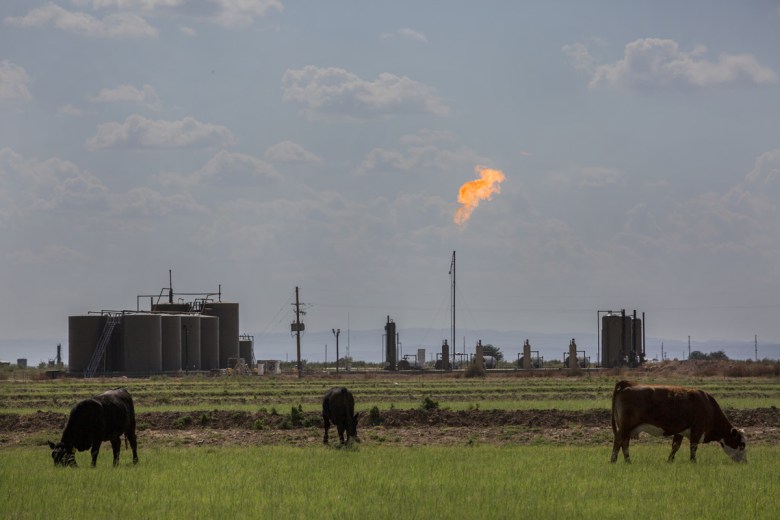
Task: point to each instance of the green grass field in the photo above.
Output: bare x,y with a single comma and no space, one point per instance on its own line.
391,482
379,479
251,394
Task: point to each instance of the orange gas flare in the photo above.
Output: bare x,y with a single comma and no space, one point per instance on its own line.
472,192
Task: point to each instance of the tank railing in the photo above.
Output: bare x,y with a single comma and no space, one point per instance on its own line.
204,297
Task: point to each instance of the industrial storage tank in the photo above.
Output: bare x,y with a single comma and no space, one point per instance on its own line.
209,342
621,341
190,342
142,343
172,308
246,351
228,329
83,335
171,342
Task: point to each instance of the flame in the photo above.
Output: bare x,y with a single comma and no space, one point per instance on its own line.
472,192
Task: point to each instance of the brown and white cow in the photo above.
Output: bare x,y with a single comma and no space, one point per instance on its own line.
671,411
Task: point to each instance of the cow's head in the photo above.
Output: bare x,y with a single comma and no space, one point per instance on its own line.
61,455
734,445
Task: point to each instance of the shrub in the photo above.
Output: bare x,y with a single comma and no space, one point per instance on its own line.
474,370
429,404
182,422
373,416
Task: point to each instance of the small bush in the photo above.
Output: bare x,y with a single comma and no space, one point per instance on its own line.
429,404
374,417
259,424
182,422
474,370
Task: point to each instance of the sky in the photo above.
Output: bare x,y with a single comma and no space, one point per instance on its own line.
256,146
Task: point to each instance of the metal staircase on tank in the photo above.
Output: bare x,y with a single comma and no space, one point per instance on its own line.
100,350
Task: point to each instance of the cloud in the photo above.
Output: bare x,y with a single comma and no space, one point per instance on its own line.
290,152
139,132
589,177
235,168
653,63
425,158
228,13
46,255
336,92
145,96
69,110
29,186
13,81
119,25
407,34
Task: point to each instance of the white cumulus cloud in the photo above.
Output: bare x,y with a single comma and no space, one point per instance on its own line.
336,92
290,152
145,96
652,63
139,132
116,25
13,81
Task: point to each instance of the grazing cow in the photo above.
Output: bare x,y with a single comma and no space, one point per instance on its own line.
338,406
672,411
102,418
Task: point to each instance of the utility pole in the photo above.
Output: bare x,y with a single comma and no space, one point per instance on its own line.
755,343
689,347
452,273
298,331
336,333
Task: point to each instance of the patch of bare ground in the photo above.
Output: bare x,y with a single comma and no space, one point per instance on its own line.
392,427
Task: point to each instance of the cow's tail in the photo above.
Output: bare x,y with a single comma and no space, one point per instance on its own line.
619,387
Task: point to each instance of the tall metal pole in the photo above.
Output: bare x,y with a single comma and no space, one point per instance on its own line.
452,273
298,332
336,333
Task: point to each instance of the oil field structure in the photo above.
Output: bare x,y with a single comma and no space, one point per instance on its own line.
183,332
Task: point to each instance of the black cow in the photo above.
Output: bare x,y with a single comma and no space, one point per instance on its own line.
102,418
338,406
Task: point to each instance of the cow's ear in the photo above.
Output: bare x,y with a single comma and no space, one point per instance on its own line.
357,415
51,444
735,433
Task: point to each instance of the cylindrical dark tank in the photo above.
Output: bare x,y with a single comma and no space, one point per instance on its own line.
171,342
142,343
618,334
391,353
245,351
228,329
190,342
83,335
209,342
171,308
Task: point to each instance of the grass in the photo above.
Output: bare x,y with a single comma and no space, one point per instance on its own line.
391,482
196,393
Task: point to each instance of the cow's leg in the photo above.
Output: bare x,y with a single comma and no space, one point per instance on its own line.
327,427
95,450
695,437
341,433
130,437
615,448
676,442
624,446
694,447
116,445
